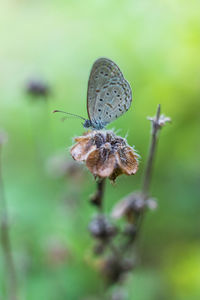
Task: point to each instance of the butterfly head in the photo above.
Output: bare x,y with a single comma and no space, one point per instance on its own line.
87,124
93,124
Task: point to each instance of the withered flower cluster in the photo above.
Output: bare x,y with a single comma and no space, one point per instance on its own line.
132,206
37,88
101,228
105,154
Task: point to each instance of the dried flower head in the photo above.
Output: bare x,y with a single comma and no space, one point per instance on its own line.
37,88
132,205
162,120
105,154
101,228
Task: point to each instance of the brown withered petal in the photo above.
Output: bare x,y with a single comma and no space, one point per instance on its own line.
98,166
116,172
81,150
127,161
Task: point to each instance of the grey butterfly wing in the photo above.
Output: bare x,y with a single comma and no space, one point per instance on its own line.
109,94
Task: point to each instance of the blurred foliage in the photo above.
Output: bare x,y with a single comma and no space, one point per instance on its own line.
156,44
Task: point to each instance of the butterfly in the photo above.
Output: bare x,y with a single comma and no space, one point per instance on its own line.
109,94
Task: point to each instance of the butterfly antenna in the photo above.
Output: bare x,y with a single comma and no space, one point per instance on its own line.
73,115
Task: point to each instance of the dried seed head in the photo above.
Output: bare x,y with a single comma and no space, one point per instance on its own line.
162,120
132,206
101,228
133,203
105,154
37,88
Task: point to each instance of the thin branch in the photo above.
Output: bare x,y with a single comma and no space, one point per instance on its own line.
5,240
97,198
148,172
147,178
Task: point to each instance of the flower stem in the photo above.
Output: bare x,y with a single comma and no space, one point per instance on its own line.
97,198
148,174
5,240
149,167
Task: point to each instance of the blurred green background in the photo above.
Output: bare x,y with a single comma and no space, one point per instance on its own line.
157,46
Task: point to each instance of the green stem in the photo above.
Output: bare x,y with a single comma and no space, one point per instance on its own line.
5,240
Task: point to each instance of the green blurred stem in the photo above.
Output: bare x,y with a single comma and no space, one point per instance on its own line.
5,240
149,167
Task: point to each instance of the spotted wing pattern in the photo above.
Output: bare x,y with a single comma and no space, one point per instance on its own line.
109,94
